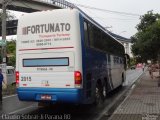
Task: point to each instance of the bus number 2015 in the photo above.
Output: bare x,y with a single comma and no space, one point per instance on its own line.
26,78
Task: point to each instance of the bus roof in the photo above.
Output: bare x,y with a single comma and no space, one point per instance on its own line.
97,24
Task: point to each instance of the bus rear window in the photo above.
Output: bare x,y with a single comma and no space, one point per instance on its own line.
40,62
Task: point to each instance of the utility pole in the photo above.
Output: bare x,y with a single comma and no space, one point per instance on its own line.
3,50
4,16
159,63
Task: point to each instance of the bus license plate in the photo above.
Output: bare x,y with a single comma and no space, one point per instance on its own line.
46,97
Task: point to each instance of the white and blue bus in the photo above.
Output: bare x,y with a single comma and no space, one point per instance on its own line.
64,56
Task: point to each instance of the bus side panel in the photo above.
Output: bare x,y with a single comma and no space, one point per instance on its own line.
94,68
98,68
96,64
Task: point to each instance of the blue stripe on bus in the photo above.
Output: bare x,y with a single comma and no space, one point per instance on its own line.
69,95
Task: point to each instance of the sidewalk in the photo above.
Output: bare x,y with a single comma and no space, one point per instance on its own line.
143,103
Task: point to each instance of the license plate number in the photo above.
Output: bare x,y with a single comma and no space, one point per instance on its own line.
46,97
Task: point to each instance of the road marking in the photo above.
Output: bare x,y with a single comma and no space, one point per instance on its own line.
16,111
133,86
9,96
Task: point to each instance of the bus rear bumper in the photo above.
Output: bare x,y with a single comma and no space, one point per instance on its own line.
57,95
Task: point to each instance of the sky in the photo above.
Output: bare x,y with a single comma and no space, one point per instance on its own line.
111,12
124,25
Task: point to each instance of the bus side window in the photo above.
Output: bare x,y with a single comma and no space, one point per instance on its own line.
86,33
90,31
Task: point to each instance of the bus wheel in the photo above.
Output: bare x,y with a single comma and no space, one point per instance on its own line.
99,99
104,92
121,85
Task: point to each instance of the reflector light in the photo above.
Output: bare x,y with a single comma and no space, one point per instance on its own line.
78,78
17,77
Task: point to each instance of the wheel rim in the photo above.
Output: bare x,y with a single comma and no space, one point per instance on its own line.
104,91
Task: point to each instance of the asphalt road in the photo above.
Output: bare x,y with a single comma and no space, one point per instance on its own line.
12,108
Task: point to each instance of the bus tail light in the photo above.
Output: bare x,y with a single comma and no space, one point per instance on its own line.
78,78
17,78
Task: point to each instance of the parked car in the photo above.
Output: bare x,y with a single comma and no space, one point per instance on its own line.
10,74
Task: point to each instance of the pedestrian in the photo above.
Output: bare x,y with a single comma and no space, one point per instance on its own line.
1,82
143,66
150,69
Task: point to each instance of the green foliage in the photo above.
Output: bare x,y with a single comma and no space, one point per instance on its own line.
12,61
11,52
11,46
146,41
132,61
147,20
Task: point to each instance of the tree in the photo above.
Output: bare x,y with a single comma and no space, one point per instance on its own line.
146,41
11,52
10,16
147,20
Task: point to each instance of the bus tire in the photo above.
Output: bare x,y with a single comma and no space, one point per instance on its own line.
122,78
105,88
104,91
99,98
121,85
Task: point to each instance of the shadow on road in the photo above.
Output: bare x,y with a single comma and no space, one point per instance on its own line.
76,112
